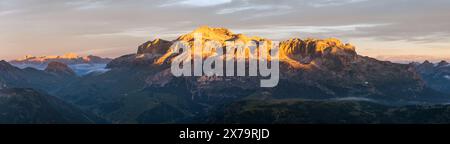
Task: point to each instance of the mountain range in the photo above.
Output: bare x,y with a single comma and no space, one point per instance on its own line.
48,80
80,65
437,76
317,77
69,59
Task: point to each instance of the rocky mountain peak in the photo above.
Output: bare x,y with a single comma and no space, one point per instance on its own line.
6,66
3,63
95,59
216,34
208,33
306,50
426,62
59,68
295,51
443,64
157,46
425,68
69,56
43,58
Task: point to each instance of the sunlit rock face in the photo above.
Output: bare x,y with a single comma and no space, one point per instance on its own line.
295,52
306,50
210,37
157,46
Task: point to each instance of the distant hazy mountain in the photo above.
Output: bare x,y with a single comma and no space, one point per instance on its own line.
27,106
81,65
139,88
54,77
437,76
405,59
68,59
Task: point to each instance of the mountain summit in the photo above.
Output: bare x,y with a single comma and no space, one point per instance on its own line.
216,34
60,69
157,46
295,52
69,58
5,66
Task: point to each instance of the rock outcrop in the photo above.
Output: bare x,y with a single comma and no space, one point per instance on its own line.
307,50
5,66
59,69
157,46
443,64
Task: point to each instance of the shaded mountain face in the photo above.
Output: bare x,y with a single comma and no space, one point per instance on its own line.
294,111
55,77
59,69
141,84
437,76
27,106
2,85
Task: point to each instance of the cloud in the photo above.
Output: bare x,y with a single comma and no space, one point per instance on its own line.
286,31
146,32
253,8
9,12
196,3
327,3
87,4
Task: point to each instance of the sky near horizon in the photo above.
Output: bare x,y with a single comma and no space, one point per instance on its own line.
112,28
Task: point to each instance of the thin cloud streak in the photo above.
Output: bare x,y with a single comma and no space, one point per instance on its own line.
248,8
281,32
196,3
328,3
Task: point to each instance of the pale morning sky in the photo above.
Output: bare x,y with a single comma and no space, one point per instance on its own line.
115,27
